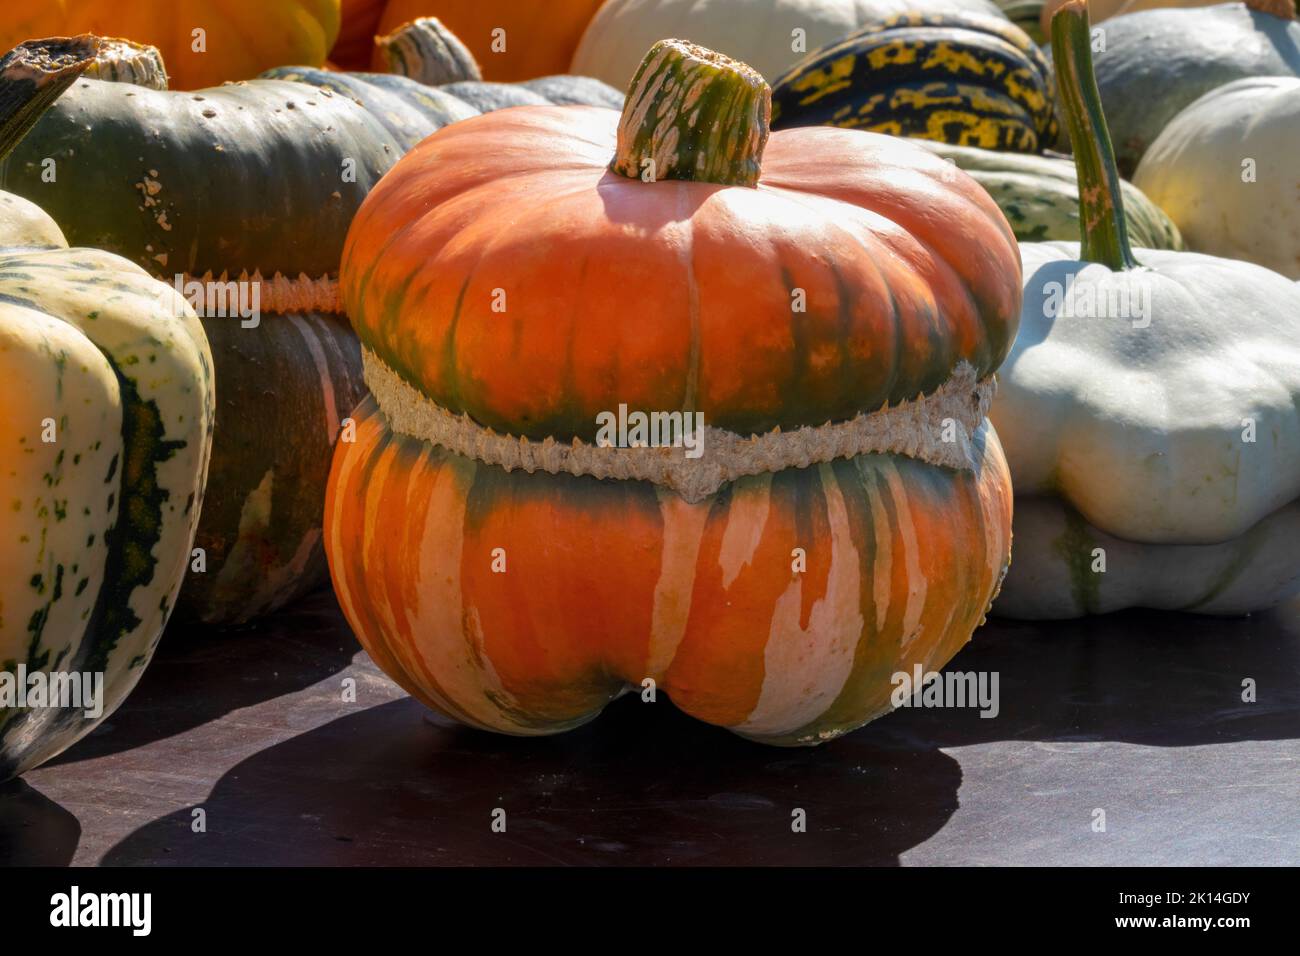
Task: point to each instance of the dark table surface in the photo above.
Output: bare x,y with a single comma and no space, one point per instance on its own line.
1139,715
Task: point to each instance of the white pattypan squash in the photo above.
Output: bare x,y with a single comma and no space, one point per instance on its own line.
1226,171
1150,409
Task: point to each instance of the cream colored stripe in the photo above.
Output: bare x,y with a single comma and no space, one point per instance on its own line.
883,577
746,518
683,532
449,634
354,457
323,371
805,670
916,582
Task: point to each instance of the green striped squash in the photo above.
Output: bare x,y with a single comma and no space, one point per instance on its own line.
1039,195
106,381
959,78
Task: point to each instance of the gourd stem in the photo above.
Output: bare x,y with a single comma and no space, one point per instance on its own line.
1279,8
424,50
696,115
1103,231
32,76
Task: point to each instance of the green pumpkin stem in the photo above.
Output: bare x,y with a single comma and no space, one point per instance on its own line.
125,61
424,50
32,76
696,115
1103,231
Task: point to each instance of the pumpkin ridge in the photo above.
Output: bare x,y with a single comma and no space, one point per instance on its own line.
913,429
280,294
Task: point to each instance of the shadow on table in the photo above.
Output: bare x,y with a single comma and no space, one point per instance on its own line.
645,784
34,830
197,675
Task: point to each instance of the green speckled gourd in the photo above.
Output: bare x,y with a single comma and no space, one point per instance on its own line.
1039,195
106,382
959,78
253,183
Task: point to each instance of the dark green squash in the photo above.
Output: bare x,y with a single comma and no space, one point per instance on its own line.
258,182
436,81
958,78
262,175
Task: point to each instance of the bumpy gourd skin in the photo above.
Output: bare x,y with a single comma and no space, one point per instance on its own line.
607,583
99,522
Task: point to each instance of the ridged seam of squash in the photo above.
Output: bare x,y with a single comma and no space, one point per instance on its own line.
915,429
279,293
125,61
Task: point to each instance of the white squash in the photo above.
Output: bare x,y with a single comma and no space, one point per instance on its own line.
1150,409
1057,552
759,32
1105,9
1226,171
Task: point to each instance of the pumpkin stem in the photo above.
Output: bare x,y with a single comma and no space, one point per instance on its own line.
1103,231
33,75
125,61
1279,8
693,114
426,51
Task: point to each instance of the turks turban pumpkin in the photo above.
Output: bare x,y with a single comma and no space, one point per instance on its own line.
833,302
106,385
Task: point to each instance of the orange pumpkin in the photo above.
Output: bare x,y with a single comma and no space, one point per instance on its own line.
356,42
538,38
833,302
238,40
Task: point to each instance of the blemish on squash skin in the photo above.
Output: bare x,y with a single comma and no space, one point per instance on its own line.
1075,546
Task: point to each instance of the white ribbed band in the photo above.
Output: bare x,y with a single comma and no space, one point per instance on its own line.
914,428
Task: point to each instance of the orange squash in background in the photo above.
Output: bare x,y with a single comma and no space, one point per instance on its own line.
240,39
510,284
356,42
539,38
